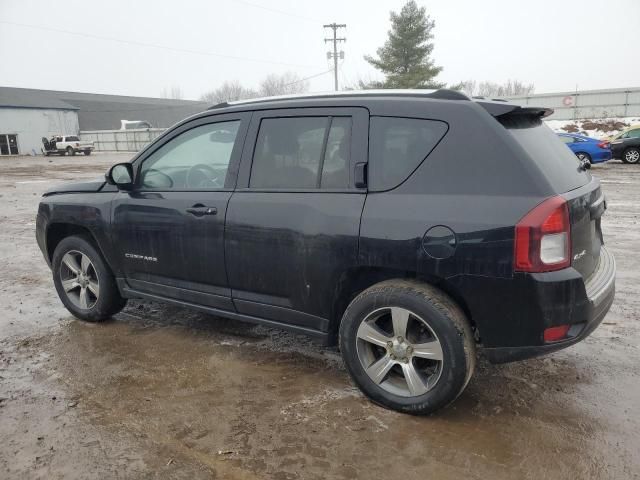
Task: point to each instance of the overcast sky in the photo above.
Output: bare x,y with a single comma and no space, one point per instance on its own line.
198,44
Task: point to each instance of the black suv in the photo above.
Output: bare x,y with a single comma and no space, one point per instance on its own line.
409,227
626,146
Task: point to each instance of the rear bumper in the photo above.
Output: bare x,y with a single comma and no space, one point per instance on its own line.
603,156
590,307
616,150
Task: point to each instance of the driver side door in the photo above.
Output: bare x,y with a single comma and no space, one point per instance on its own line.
169,229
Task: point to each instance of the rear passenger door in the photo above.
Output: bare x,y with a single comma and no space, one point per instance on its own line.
293,222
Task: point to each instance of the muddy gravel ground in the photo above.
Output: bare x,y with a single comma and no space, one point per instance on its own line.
162,392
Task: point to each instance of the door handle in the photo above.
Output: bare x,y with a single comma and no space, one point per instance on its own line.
200,210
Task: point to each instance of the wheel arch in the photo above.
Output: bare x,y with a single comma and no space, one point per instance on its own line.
56,232
354,281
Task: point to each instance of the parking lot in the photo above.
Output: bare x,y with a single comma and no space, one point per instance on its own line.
162,392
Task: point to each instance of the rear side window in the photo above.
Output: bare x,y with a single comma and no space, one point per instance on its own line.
556,162
72,139
302,153
397,146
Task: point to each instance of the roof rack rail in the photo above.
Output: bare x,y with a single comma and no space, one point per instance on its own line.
441,93
219,105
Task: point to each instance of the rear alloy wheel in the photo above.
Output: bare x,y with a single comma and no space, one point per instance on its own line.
583,156
70,151
631,155
404,345
408,346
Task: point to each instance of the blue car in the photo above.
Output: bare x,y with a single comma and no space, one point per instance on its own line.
587,148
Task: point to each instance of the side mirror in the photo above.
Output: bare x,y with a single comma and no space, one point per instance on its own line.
121,175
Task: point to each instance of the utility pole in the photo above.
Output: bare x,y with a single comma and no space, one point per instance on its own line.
334,26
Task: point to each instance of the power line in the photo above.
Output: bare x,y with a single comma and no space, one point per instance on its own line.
308,78
152,45
334,26
281,12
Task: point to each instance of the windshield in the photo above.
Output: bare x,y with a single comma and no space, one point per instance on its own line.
556,161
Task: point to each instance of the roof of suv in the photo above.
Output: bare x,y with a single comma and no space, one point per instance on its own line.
495,107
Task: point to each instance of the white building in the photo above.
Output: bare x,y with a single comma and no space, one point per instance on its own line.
24,121
27,115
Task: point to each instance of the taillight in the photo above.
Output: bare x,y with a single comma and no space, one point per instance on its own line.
603,145
543,238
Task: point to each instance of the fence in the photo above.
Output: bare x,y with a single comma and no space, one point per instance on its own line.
121,140
620,102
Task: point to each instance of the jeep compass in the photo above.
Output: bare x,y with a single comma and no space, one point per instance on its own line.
411,228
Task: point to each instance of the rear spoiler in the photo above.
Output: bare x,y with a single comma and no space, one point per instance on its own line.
500,108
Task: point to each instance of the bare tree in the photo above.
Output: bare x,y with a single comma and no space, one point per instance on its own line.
511,88
228,92
283,84
175,92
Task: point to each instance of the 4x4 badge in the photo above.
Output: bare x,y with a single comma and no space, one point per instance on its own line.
578,256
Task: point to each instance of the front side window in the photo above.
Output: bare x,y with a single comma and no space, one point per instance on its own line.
302,153
634,133
197,159
567,139
397,146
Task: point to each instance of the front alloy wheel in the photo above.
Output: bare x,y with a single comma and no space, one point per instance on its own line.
79,280
632,155
83,280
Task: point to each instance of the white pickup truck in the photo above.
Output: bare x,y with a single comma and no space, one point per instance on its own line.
69,145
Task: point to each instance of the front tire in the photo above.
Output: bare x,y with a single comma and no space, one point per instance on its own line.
87,152
631,155
70,151
408,346
83,281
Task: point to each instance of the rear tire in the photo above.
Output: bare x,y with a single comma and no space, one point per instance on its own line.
417,372
83,281
631,155
70,151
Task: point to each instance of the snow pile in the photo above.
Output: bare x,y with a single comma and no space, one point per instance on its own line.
600,128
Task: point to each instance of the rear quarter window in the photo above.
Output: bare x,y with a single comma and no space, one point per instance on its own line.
557,163
397,146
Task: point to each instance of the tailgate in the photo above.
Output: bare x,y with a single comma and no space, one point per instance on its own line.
587,204
567,178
